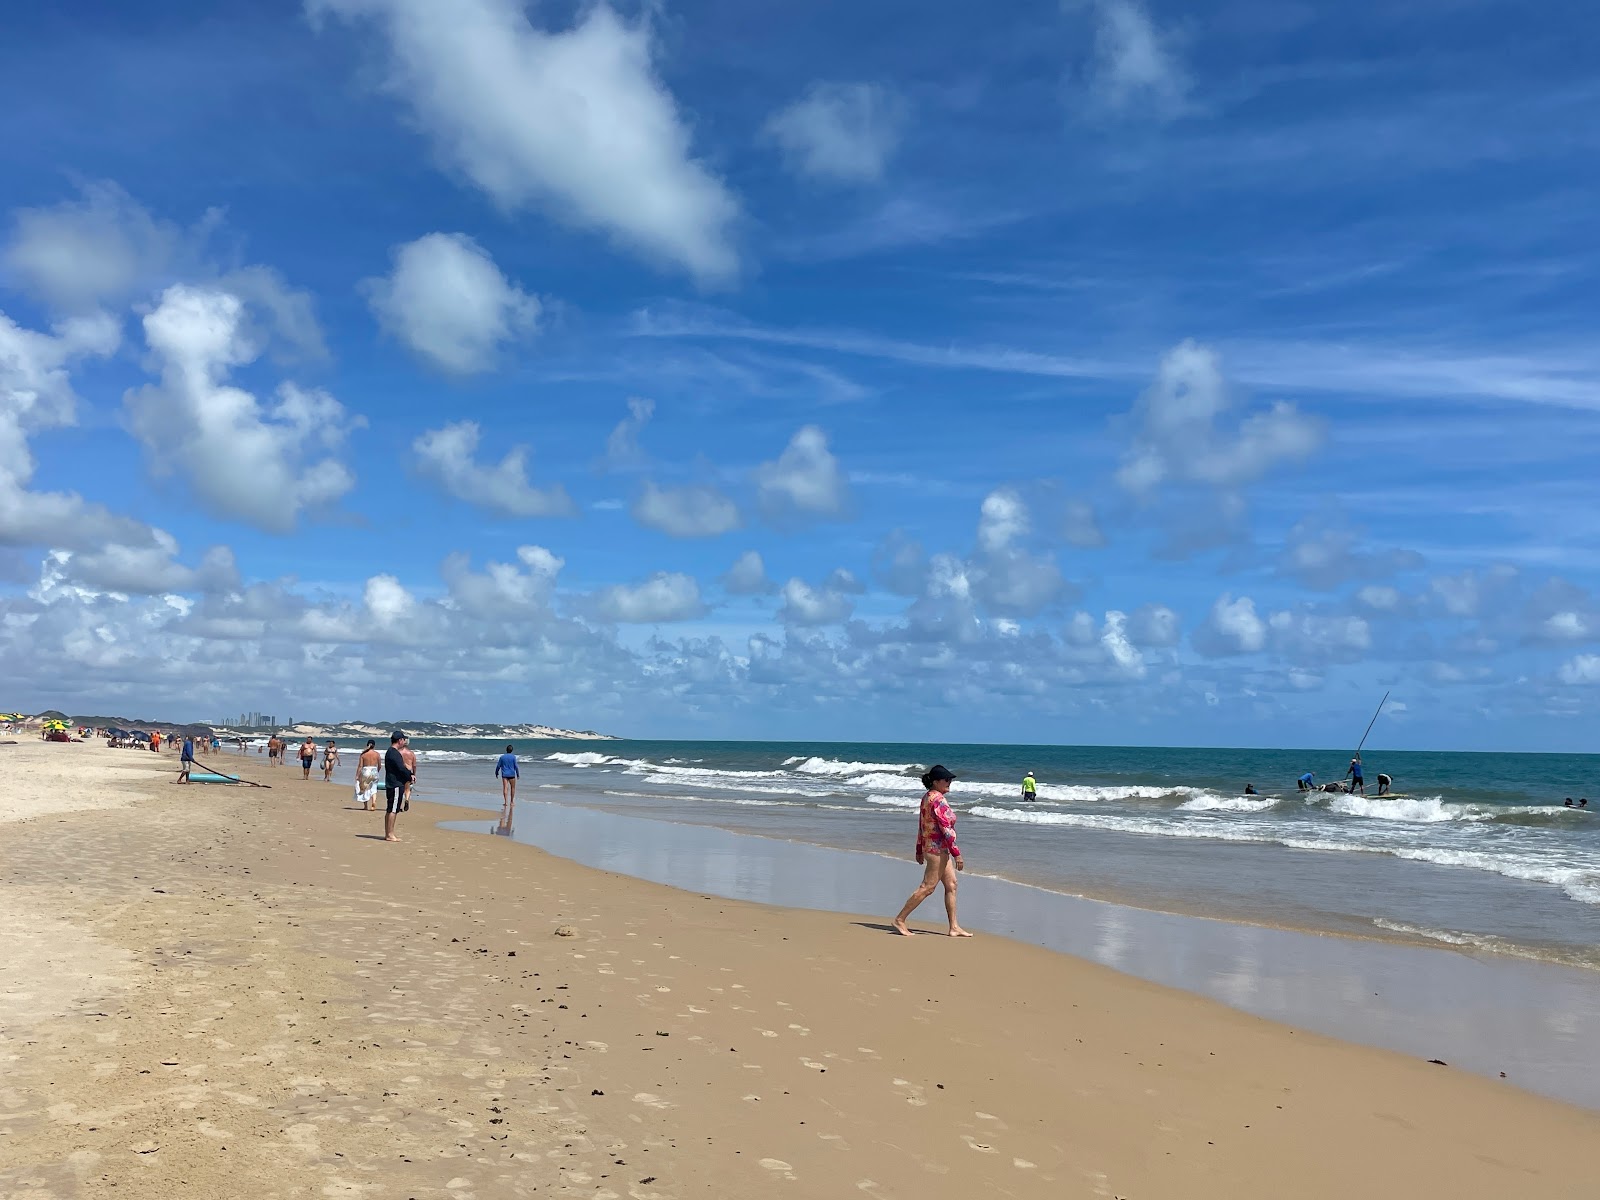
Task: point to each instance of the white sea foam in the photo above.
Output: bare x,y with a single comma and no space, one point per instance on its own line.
830,766
587,758
1426,810
1228,804
453,756
897,801
1487,941
1581,883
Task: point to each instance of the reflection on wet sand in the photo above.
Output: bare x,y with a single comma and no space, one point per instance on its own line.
1489,1015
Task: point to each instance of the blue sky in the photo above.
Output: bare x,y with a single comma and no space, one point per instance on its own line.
1098,371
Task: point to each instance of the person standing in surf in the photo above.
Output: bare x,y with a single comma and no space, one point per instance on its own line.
1357,783
506,768
936,851
1030,787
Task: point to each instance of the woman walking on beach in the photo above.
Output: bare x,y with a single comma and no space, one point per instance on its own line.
367,767
936,851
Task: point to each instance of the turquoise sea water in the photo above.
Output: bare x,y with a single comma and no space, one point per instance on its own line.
1477,851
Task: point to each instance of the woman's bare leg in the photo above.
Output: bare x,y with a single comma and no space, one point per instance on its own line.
930,880
948,877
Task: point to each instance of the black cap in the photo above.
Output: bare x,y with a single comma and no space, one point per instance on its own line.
937,772
396,736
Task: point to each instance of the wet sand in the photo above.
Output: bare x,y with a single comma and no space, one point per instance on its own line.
219,991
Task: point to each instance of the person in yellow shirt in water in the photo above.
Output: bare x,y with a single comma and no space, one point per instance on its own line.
1030,789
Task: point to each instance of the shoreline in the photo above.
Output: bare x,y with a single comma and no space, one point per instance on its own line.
305,1010
1398,994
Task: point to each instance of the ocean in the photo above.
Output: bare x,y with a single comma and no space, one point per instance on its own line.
1477,852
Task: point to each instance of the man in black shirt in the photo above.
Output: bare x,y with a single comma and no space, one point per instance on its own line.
395,777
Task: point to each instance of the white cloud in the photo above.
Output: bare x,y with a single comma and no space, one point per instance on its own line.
102,249
1583,669
840,131
1567,627
1001,521
574,121
697,510
1469,593
36,394
1120,652
504,591
748,576
1379,597
1178,440
147,570
1080,527
449,303
622,444
665,596
242,461
1135,67
387,600
1324,556
1014,583
107,249
1231,628
1154,625
806,605
447,457
1307,636
804,481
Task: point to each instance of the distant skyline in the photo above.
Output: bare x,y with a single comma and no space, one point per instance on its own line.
1092,372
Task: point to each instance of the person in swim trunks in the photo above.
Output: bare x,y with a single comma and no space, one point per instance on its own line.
506,768
397,779
308,755
1357,783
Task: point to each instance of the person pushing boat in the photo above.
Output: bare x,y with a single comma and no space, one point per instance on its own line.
1357,782
1306,782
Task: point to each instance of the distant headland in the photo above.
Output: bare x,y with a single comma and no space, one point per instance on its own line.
354,730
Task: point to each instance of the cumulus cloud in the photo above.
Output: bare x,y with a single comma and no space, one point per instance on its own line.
1154,625
748,577
150,569
1119,650
622,445
1472,593
899,564
844,132
575,121
1136,67
448,457
449,303
504,591
665,596
1178,438
698,510
1232,627
804,482
1308,636
1581,670
807,605
1002,519
1325,556
103,248
36,394
262,465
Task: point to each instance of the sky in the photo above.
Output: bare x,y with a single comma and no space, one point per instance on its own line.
1088,371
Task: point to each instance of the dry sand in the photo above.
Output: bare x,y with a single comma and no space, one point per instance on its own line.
230,992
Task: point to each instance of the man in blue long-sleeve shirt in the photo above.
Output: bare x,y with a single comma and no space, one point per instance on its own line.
395,777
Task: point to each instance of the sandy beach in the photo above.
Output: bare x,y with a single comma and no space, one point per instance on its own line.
226,991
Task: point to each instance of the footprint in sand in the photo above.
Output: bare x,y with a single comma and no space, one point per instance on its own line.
801,1030
815,1066
778,1167
651,1100
974,1144
915,1095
